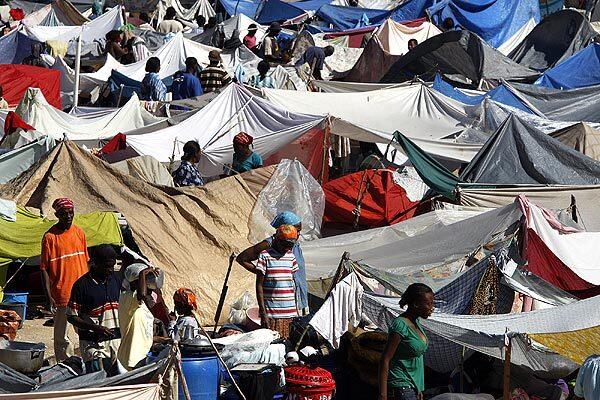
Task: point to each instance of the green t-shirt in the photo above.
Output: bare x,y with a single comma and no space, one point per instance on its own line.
408,354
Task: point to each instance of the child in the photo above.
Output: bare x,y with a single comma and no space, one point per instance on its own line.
185,305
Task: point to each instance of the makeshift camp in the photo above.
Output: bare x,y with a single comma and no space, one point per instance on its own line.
556,38
462,58
14,162
579,70
582,138
501,23
387,44
200,7
57,13
15,47
210,222
17,79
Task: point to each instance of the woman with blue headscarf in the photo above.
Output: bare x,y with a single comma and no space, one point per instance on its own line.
251,254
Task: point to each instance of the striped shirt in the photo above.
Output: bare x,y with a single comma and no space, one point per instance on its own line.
214,78
278,286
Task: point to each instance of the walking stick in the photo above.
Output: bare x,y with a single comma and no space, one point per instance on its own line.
223,294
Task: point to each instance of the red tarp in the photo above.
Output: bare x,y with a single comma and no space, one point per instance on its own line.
117,143
382,203
13,122
543,263
15,79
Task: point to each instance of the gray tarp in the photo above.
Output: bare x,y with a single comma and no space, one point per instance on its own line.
556,38
581,104
462,58
13,163
520,154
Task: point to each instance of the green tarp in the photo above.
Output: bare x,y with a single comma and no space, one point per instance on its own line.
23,239
438,178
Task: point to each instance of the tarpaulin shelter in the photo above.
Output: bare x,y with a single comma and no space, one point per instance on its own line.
520,154
423,114
342,18
582,138
462,58
22,238
150,391
188,232
276,10
556,38
239,22
548,7
17,79
57,13
501,23
13,163
580,70
388,43
278,133
47,120
368,199
15,47
200,7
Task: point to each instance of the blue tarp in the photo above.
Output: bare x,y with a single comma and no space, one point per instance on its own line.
246,7
276,10
582,69
311,5
130,86
501,94
495,21
14,47
343,18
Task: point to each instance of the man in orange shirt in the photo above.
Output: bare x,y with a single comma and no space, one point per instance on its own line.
64,260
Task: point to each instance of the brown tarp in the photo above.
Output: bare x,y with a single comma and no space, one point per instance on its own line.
580,137
372,64
256,179
66,11
189,232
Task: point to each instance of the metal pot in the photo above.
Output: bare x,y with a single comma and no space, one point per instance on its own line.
23,357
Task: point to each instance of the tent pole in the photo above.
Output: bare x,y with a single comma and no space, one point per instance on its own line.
507,352
573,208
325,148
77,70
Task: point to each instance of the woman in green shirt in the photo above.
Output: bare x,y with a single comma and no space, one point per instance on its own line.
401,368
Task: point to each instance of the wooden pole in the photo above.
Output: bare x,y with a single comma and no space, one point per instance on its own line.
507,352
77,70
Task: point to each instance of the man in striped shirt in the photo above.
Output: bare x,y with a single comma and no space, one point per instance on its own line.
275,289
214,77
63,260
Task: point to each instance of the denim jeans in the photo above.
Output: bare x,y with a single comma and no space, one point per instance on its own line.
404,393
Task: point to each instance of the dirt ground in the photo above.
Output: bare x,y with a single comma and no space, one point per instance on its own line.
34,331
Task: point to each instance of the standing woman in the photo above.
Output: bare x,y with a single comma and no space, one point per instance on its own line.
401,368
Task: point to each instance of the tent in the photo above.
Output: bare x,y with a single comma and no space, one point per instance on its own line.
57,13
276,10
47,120
17,79
501,23
582,138
15,47
188,232
371,198
556,38
19,160
278,133
388,43
373,116
520,154
461,57
580,70
200,7
240,22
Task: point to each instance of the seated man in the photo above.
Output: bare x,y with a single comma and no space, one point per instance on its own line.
315,57
93,310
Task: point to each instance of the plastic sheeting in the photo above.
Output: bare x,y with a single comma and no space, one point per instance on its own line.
35,110
580,70
388,43
235,110
495,21
200,7
60,11
582,138
291,188
136,392
15,46
146,168
276,10
462,58
553,40
16,79
17,161
520,154
239,22
420,112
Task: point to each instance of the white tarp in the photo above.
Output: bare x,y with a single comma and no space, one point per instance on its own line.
200,7
420,113
516,39
90,31
13,163
150,391
172,57
47,120
214,127
393,36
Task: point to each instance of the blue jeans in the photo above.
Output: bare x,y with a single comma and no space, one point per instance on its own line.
403,393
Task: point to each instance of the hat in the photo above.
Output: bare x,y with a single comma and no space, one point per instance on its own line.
285,218
214,55
63,204
289,233
185,296
275,27
132,273
243,138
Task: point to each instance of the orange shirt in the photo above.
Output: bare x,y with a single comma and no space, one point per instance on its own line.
65,257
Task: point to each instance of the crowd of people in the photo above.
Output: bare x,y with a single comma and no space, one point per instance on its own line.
119,312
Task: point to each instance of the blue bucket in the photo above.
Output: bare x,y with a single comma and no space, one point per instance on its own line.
202,374
15,297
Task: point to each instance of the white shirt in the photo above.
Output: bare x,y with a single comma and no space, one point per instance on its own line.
170,26
588,379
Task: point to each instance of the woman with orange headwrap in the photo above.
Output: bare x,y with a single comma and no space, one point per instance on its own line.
244,159
185,305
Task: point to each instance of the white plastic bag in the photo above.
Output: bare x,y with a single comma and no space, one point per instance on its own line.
237,312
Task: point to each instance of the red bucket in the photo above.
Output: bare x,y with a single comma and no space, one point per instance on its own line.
306,383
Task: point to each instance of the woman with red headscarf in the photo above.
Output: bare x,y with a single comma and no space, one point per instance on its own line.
185,305
244,159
